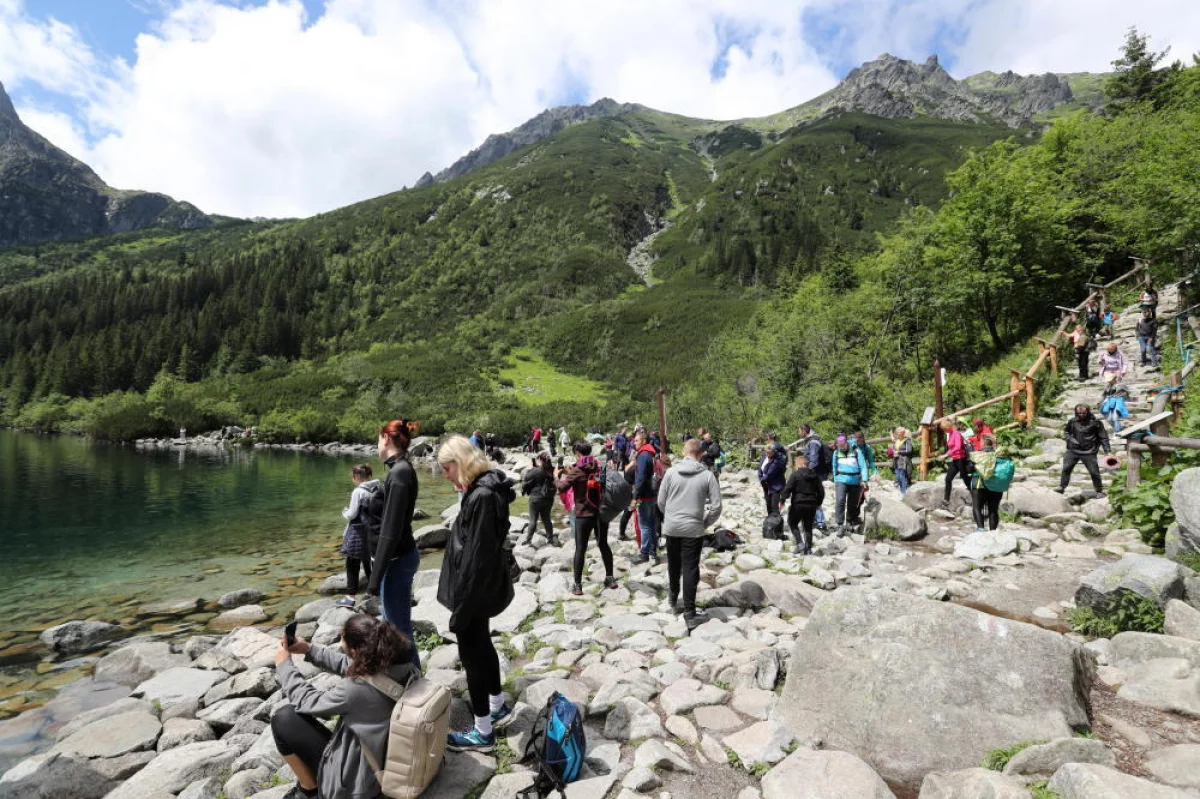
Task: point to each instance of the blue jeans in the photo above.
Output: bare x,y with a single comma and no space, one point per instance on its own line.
395,595
903,480
648,520
1147,346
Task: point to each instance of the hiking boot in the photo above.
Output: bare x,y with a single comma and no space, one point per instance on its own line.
640,557
610,582
470,741
676,607
502,717
653,560
694,620
577,589
1059,489
798,549
554,542
1100,495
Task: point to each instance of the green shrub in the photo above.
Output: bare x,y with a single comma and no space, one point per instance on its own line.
1125,611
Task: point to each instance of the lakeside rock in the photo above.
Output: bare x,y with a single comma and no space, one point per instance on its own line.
74,637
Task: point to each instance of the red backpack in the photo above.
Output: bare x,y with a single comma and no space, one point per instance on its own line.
593,492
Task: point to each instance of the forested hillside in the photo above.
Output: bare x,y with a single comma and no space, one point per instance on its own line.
814,272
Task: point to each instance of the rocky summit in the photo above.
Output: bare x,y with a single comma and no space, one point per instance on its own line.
47,195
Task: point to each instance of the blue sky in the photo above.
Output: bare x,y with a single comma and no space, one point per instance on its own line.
290,107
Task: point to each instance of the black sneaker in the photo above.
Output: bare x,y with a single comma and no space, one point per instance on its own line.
1059,490
577,589
610,582
676,608
654,560
640,558
695,620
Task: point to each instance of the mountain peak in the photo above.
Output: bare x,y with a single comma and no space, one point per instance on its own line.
6,106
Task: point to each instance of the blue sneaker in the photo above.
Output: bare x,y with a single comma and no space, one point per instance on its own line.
502,717
470,741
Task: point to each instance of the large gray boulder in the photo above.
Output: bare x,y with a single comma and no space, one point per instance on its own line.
1035,501
1185,501
242,596
1043,760
178,685
971,783
990,544
136,663
928,496
113,736
1177,765
817,774
1161,671
175,769
885,512
1182,620
54,775
913,686
1146,575
251,646
74,637
1091,781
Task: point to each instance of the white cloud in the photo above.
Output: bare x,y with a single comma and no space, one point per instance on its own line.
254,108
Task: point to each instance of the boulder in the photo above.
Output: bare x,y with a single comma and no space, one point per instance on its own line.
178,685
197,645
461,775
225,714
136,663
117,708
251,646
912,685
243,596
765,742
1185,501
1177,765
207,788
242,616
1182,620
113,736
523,605
171,607
1147,575
540,692
1174,544
632,719
764,589
1161,671
181,732
1042,760
431,536
312,611
53,775
817,774
991,544
661,756
971,783
1035,501
928,496
175,769
333,584
260,682
687,694
1090,781
75,637
885,512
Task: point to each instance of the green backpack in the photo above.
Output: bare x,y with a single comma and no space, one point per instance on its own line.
1002,476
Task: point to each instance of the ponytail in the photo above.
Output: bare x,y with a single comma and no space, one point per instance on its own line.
375,645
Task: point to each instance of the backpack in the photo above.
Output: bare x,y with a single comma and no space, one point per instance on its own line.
372,514
825,464
659,471
416,735
618,493
558,744
772,526
1002,476
593,493
722,540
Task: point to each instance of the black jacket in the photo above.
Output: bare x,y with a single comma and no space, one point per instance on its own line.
395,528
1087,435
710,451
804,488
474,583
1147,328
538,485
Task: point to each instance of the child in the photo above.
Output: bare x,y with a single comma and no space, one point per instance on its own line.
356,535
1107,320
1113,407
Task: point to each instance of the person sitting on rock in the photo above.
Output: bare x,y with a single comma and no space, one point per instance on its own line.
1085,435
1112,362
336,764
690,501
805,493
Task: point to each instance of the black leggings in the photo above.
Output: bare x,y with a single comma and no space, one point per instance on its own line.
352,565
625,515
480,662
801,519
683,567
960,467
540,510
584,526
985,499
772,500
1081,356
300,735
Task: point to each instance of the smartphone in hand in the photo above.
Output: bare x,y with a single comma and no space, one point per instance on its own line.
289,633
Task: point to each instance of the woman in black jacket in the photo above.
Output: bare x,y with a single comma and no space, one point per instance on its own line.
538,485
807,494
475,585
396,558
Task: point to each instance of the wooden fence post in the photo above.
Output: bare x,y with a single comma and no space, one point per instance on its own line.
1176,398
1030,400
1014,384
1133,465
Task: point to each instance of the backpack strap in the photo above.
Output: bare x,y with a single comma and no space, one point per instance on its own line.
392,690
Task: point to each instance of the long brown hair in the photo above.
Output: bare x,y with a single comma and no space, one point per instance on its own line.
400,432
374,645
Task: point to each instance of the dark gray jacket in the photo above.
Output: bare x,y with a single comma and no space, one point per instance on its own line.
365,721
690,499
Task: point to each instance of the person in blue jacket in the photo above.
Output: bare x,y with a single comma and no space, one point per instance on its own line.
1113,408
850,472
772,473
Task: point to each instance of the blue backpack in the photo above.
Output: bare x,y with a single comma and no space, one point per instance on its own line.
559,746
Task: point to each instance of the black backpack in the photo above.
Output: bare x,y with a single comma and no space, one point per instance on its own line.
618,493
772,526
723,540
372,514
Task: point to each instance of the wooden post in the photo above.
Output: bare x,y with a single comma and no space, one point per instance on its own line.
662,418
1014,384
1133,466
1030,400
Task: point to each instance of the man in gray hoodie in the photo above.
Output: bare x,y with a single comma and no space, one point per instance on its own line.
690,500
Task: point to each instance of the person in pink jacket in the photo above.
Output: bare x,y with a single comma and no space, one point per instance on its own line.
956,453
1112,362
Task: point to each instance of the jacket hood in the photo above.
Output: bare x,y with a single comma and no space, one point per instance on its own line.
370,484
688,467
497,482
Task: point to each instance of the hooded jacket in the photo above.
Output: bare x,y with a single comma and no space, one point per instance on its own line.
360,498
575,479
850,467
643,476
804,489
1085,436
690,499
395,537
771,469
474,583
812,451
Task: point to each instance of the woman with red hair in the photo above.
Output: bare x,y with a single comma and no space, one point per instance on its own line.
396,558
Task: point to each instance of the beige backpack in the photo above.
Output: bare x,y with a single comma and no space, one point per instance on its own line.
417,738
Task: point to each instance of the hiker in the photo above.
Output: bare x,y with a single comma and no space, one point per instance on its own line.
1092,318
981,429
1149,300
1085,435
860,441
645,491
690,501
1113,407
1147,337
536,439
990,479
1112,362
805,493
813,451
656,441
564,440
771,473
475,586
584,481
336,764
550,440
1083,346
711,454
1106,322
357,534
849,474
477,439
901,453
956,454
396,558
619,447
538,484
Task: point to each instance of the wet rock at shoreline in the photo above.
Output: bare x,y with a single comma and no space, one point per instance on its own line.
113,736
74,637
178,685
135,663
238,617
243,596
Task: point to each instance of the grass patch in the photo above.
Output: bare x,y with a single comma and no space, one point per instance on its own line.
505,756
1040,791
1189,559
537,382
430,642
759,770
997,759
882,532
1124,612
